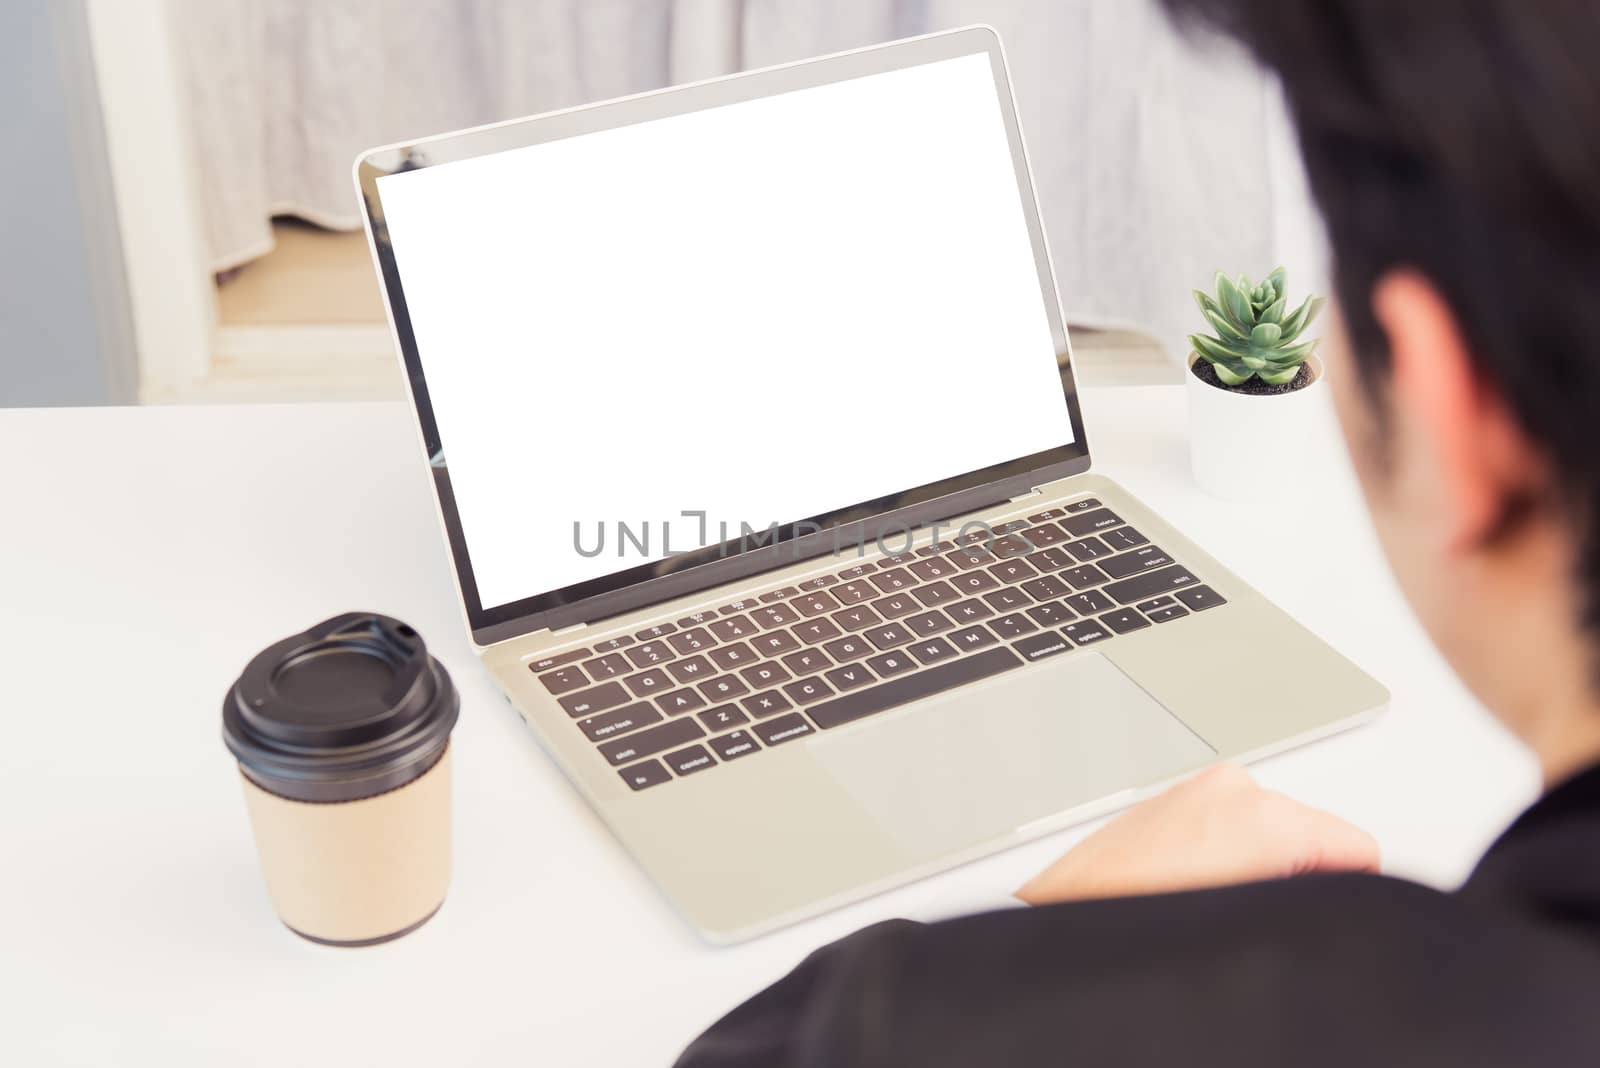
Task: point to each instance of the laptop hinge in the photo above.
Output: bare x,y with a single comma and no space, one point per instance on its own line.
1031,493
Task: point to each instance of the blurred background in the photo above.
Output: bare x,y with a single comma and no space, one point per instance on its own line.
177,222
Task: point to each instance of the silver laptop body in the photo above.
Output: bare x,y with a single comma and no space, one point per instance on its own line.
778,714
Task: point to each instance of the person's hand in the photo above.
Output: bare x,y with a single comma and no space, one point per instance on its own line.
1212,830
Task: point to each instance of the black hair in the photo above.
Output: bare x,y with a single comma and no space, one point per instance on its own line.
1460,138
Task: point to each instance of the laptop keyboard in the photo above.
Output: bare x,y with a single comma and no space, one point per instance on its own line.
683,696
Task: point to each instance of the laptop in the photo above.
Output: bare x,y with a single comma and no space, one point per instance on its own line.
749,410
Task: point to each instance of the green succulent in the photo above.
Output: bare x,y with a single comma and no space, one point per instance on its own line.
1254,334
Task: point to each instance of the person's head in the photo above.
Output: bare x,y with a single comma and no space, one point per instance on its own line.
1453,147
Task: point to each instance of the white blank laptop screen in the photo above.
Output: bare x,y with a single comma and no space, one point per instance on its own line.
766,311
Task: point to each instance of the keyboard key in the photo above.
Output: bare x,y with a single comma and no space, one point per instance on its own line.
857,618
936,568
774,615
856,592
1199,598
724,687
974,582
564,680
932,651
775,643
1089,603
898,691
970,557
936,593
893,580
818,583
559,660
1011,526
691,641
1004,600
1123,538
765,675
1167,614
651,653
1086,632
733,628
981,536
1046,534
690,760
1013,571
1091,522
735,745
619,721
936,550
1147,558
621,641
783,729
890,637
772,596
972,638
896,605
1047,588
1052,614
849,677
807,690
860,571
928,623
1143,587
691,670
1154,603
1084,577
647,743
697,619
723,717
969,611
813,631
1082,506
738,607
845,649
610,666
732,656
1013,626
642,776
1047,514
814,604
1011,546
678,702
1124,620
648,683
1040,646
807,661
1087,549
898,560
890,664
660,630
766,704
1050,559
596,699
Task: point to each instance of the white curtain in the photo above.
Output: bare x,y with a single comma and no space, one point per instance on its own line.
1156,163
283,94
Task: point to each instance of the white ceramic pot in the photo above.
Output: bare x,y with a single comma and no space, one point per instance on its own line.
1250,447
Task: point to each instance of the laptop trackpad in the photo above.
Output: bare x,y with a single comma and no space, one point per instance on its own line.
964,767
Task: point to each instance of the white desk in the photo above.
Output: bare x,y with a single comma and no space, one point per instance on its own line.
145,554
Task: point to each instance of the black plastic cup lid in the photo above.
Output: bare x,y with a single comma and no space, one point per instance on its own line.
350,708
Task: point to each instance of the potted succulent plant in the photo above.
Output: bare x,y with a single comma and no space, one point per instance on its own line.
1250,385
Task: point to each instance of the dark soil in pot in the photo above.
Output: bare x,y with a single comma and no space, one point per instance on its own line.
1208,374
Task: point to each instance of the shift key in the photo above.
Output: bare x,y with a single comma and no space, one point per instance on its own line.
653,741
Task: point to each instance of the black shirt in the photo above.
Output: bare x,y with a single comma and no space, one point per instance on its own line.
1346,970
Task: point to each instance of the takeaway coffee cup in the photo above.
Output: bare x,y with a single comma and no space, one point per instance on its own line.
343,739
